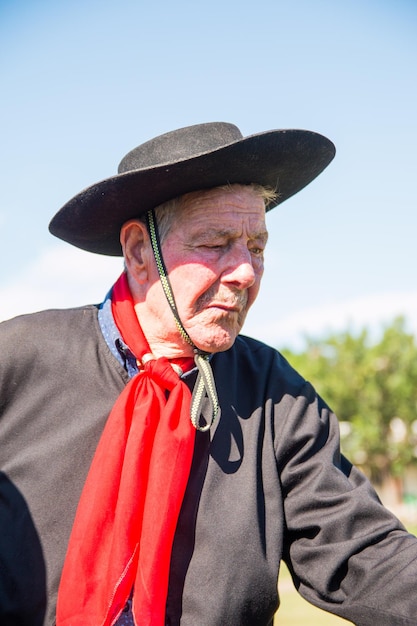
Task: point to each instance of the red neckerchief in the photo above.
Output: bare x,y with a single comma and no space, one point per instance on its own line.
126,518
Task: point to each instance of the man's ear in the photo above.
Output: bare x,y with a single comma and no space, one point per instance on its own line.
135,242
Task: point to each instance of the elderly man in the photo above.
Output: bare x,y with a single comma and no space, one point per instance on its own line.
157,466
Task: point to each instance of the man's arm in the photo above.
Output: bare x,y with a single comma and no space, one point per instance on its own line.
347,553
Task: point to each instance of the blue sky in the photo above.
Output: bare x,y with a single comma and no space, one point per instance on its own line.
83,82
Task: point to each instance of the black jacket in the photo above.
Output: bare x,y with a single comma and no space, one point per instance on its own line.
267,483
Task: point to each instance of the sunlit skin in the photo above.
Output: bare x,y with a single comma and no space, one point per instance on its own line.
214,255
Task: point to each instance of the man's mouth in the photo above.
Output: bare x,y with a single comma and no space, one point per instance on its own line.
229,308
230,303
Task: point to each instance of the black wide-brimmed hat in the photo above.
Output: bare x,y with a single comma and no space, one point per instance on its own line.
189,159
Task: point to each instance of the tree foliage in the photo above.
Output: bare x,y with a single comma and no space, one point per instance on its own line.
372,387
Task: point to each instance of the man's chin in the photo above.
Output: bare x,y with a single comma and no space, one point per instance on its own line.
219,333
217,344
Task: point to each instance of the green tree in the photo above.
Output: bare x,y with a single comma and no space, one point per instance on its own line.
372,387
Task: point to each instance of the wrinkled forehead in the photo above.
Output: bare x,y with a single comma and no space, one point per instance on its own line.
222,204
233,207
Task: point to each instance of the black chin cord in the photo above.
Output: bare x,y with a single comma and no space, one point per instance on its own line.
205,385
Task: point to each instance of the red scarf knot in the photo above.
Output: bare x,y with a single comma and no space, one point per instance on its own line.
162,372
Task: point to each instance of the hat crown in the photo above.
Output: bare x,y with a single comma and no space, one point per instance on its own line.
179,145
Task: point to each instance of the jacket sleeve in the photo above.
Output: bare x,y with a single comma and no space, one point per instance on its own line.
346,552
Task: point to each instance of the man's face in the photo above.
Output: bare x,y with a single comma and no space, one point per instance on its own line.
214,258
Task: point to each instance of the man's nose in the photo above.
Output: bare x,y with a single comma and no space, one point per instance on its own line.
240,271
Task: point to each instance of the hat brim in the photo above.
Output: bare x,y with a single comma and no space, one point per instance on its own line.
285,160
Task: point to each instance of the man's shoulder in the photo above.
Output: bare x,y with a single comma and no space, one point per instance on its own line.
256,349
46,316
33,328
254,345
258,370
261,358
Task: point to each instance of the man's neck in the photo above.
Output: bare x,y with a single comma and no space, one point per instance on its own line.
161,342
